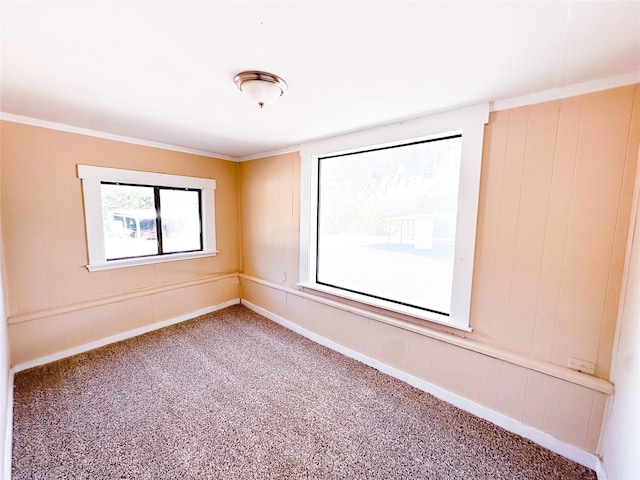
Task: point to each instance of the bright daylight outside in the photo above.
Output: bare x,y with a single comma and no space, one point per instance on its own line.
129,220
387,221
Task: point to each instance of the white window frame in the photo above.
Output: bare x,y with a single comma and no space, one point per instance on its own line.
470,123
92,177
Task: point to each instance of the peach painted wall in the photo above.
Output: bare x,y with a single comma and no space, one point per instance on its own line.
5,360
53,302
554,212
555,203
270,224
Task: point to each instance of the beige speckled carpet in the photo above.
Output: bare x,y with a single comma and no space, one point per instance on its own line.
232,395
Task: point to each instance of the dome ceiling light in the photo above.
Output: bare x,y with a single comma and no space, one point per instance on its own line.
262,87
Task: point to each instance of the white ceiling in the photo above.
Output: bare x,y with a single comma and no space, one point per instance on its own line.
163,72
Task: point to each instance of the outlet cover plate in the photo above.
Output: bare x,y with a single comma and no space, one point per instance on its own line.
580,365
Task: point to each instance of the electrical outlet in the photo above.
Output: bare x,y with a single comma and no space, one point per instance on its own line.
284,277
582,365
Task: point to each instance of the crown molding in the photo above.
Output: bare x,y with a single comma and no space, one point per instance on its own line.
497,105
270,153
568,91
35,122
506,104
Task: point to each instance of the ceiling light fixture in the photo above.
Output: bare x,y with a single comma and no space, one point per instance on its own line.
263,88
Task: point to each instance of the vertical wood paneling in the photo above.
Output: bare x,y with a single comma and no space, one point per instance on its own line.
362,333
68,252
327,325
369,340
392,345
554,199
419,360
556,228
343,328
604,130
490,380
531,227
268,298
469,376
445,363
295,307
23,225
508,224
292,245
43,219
512,389
553,215
568,411
489,209
535,399
596,421
270,218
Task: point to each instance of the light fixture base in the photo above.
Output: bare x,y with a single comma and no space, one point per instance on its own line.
263,87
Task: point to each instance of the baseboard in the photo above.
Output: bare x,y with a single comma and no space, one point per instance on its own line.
541,438
8,433
120,336
600,471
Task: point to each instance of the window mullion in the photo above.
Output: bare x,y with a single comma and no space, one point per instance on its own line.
156,201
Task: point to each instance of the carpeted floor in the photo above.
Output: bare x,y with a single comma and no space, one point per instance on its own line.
232,395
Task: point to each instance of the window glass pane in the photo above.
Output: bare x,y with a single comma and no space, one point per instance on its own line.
387,220
180,220
129,220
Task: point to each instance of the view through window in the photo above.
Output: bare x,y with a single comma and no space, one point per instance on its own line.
387,222
141,220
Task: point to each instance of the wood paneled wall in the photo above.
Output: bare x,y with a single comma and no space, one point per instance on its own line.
555,204
270,230
556,192
53,302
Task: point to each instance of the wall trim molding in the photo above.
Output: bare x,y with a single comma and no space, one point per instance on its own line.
270,153
119,337
544,439
568,91
495,105
51,312
547,368
35,122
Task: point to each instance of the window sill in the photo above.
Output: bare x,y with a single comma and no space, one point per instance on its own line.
385,305
133,262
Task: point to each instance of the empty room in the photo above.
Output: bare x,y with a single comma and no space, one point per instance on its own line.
319,240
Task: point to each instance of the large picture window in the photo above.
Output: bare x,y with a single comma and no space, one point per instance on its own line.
388,216
387,221
135,218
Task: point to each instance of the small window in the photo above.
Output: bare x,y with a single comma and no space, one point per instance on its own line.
135,218
141,221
